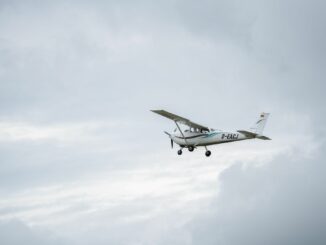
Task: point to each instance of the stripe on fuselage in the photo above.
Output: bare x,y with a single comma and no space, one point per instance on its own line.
190,137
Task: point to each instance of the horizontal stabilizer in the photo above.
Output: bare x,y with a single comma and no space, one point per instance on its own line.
248,133
262,137
253,135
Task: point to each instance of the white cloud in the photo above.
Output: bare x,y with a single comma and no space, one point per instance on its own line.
16,131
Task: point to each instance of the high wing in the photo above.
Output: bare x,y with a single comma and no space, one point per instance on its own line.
179,119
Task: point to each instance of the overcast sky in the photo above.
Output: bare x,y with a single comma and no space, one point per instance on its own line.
83,160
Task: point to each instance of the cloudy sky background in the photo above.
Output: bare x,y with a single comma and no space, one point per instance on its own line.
83,161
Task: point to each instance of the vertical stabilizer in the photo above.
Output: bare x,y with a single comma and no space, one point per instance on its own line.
258,127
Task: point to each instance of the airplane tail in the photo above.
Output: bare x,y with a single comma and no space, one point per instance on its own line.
256,131
259,126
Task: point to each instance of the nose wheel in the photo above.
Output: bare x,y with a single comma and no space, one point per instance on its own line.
191,148
179,152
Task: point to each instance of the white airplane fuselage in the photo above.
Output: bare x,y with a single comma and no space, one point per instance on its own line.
206,138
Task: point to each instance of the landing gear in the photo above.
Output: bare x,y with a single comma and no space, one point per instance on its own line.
191,148
208,153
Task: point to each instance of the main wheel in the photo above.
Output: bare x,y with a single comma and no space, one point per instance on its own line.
179,152
191,148
207,153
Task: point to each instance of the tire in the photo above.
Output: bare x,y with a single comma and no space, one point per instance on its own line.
179,152
207,153
191,148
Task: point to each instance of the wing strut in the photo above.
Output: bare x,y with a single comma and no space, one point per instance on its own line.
181,132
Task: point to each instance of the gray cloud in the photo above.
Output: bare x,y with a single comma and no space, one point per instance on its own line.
77,83
15,232
282,202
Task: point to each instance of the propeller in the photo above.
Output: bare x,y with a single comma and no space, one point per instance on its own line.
170,138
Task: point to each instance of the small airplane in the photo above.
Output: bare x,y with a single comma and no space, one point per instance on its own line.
197,135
